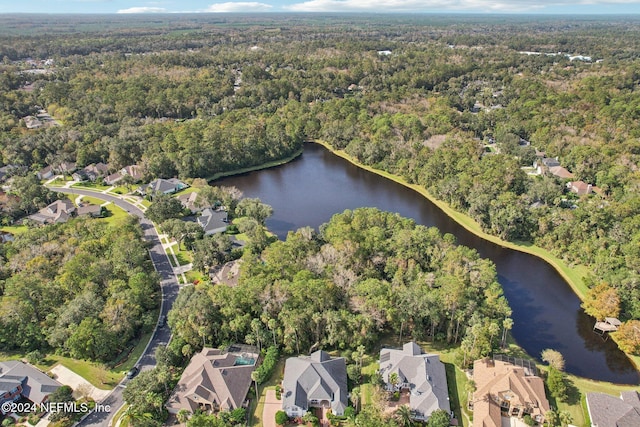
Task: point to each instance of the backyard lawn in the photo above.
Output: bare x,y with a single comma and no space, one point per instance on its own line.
255,411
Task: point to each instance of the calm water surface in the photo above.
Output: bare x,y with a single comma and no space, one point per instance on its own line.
546,312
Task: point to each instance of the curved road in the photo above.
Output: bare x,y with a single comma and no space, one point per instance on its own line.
168,285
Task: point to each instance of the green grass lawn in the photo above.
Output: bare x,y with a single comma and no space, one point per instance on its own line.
256,409
115,215
15,229
122,189
91,185
96,373
92,200
184,256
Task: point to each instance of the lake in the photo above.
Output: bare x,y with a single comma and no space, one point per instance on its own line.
546,312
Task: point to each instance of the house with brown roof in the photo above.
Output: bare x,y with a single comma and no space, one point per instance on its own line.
506,388
188,201
579,187
88,209
134,171
551,166
91,172
215,380
610,411
57,212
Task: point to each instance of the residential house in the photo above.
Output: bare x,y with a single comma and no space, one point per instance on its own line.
45,173
66,168
215,380
507,387
560,172
19,380
57,212
162,186
189,201
579,187
213,221
315,381
609,411
113,179
91,172
5,171
551,166
88,209
422,375
32,122
5,237
134,171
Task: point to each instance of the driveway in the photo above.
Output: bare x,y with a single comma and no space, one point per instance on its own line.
271,406
79,385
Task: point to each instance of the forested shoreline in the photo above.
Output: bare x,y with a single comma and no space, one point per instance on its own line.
459,106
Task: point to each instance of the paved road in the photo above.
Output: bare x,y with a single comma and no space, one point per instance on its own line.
170,290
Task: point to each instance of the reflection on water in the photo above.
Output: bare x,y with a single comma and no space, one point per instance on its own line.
546,312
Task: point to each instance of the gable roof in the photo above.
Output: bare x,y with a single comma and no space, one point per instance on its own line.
188,200
497,379
560,172
163,186
58,211
424,374
609,411
213,377
315,377
212,221
36,385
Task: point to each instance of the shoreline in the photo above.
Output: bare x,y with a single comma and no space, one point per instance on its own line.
576,284
573,276
267,165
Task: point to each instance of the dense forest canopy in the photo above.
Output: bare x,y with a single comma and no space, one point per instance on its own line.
82,288
423,97
365,274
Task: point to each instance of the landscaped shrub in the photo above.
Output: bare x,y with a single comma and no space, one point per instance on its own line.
281,418
395,396
264,371
278,392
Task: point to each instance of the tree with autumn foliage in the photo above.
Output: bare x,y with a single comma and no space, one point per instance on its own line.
628,337
602,301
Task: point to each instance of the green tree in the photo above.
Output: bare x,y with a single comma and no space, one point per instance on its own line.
557,385
403,416
163,208
439,418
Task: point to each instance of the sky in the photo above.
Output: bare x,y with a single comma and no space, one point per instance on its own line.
569,7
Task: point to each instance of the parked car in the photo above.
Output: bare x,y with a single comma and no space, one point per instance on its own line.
162,321
133,372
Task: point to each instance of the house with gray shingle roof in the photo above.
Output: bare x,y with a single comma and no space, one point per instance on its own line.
314,381
609,411
423,375
162,186
213,221
215,380
20,380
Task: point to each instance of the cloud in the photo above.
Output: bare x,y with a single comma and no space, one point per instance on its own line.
143,9
430,5
250,7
